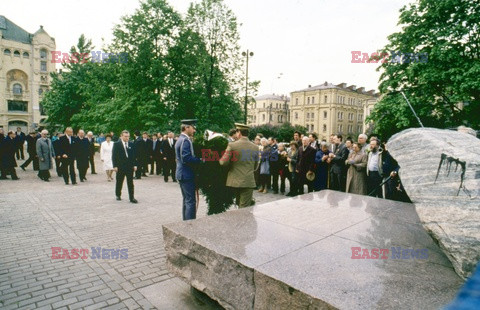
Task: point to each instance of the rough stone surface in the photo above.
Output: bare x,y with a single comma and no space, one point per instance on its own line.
454,221
296,253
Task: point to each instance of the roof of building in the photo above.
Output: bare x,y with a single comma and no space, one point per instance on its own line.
327,85
272,97
11,31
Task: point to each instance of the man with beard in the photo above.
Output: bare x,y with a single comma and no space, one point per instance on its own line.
67,145
32,151
82,155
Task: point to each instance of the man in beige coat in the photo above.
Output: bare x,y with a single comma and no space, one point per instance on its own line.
241,157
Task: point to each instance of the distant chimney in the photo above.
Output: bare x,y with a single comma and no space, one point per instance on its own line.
309,86
326,83
41,26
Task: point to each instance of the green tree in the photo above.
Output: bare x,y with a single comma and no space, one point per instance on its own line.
445,89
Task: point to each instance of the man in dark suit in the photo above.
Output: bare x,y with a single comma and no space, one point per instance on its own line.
67,155
140,152
32,151
20,141
124,164
82,154
338,175
91,148
168,153
58,158
156,155
148,152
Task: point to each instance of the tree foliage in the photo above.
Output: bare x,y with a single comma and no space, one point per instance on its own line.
176,68
283,133
445,90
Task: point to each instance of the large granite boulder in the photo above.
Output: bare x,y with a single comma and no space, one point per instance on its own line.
440,170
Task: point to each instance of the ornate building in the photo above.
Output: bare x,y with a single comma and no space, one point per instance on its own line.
268,109
25,66
330,109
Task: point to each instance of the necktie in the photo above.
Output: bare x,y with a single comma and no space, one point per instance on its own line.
126,148
170,141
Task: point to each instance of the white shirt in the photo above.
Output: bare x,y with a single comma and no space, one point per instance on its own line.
171,142
373,162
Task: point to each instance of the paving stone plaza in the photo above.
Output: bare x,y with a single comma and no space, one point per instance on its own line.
36,216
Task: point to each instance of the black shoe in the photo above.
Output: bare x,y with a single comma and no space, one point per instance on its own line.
46,180
14,179
174,181
81,180
3,178
84,179
137,178
133,200
275,192
66,183
74,183
118,198
94,173
166,181
144,175
23,168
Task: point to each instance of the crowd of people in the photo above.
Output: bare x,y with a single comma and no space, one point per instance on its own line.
357,167
362,167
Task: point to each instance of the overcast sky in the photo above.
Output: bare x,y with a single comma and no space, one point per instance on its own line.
305,42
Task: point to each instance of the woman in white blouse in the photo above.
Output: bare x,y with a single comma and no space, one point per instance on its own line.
106,156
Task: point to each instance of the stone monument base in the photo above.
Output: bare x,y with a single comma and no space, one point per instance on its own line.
316,251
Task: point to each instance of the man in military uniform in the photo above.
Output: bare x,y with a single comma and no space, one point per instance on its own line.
241,156
185,175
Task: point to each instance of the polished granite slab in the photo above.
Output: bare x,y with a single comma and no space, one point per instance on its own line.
296,253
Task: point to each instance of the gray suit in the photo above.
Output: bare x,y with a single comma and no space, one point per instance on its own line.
45,153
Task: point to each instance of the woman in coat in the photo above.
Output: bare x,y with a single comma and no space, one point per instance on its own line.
9,163
321,173
106,156
356,173
45,155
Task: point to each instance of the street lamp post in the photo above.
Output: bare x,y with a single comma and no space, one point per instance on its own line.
246,54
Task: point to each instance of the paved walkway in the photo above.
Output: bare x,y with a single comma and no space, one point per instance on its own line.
36,216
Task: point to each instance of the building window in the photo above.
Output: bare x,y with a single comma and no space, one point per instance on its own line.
313,100
16,54
263,117
359,129
308,100
312,128
296,115
43,54
324,114
360,117
271,117
340,128
324,128
7,52
325,99
43,66
42,110
17,89
308,115
26,55
17,106
296,101
340,115
313,115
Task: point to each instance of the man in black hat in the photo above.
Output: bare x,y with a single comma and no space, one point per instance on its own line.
185,175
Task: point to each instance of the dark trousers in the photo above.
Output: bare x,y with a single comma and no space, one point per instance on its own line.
275,176
68,168
58,165
338,181
374,179
301,184
31,158
256,175
189,207
156,166
140,167
170,167
92,163
82,172
19,152
121,175
283,176
9,171
293,183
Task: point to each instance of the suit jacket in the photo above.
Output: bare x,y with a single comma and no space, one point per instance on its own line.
185,158
31,145
20,139
242,157
9,148
82,152
167,151
341,155
140,148
45,152
56,147
148,148
306,161
91,147
156,149
119,157
66,148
